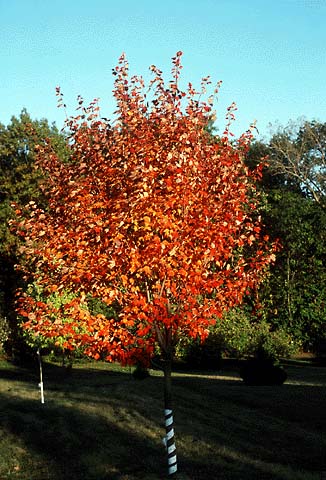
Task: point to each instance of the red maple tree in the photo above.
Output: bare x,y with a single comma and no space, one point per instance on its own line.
152,214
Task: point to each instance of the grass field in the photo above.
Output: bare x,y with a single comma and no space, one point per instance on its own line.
102,424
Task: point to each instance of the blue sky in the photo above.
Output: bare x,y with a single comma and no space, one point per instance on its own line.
270,55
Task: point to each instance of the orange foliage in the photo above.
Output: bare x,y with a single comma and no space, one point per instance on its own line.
151,213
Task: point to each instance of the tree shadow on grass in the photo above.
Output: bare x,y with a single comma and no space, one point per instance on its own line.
223,428
277,431
70,444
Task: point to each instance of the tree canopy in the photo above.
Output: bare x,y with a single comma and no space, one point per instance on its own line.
149,214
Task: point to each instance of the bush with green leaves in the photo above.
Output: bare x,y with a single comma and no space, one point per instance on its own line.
239,335
197,354
236,332
55,348
59,300
269,344
4,331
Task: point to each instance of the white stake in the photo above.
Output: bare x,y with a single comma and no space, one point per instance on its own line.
41,375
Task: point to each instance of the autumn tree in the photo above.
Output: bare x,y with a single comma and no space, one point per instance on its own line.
149,215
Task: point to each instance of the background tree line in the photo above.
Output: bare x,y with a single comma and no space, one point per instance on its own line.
19,183
293,297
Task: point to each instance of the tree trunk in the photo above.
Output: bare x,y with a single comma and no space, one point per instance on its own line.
169,437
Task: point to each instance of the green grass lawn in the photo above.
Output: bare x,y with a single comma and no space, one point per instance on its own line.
100,423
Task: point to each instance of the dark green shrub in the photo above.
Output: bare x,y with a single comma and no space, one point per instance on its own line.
271,345
206,355
4,331
140,372
239,335
262,372
320,351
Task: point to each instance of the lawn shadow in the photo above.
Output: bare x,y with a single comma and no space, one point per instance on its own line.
102,424
71,444
272,432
